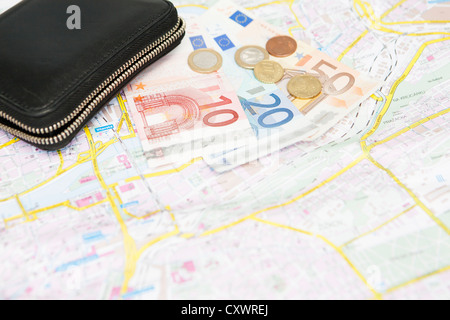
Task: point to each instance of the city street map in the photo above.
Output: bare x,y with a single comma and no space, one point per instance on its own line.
361,213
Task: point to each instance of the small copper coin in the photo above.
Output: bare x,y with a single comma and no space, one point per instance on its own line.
269,72
281,46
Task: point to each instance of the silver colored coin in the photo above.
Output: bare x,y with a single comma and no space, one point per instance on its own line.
248,57
205,61
252,56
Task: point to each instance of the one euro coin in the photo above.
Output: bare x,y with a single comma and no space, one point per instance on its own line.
205,61
249,56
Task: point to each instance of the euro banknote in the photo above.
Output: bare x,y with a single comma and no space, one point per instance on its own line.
343,88
276,121
171,105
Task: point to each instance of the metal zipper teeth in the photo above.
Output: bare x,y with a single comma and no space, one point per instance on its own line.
99,94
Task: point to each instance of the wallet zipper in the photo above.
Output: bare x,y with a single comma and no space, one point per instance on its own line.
130,68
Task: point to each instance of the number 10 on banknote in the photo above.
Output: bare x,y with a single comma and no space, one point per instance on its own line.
166,114
186,110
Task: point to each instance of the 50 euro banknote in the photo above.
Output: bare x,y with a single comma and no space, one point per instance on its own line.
343,88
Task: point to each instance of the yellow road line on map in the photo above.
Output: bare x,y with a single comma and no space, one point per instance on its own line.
409,128
6,199
126,115
10,219
375,97
412,195
391,95
80,209
379,227
192,5
50,179
61,162
163,237
363,34
114,185
333,177
427,34
25,214
122,120
143,217
352,45
376,23
299,24
35,212
132,254
384,15
117,196
44,182
228,226
166,172
339,250
138,254
113,188
267,4
16,217
67,204
129,243
274,224
384,29
93,151
291,5
32,213
11,142
417,279
82,158
416,22
155,241
187,235
87,158
367,12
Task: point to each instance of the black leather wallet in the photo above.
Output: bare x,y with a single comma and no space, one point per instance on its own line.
62,60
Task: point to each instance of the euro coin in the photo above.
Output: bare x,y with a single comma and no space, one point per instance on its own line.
269,71
281,46
205,61
304,87
249,56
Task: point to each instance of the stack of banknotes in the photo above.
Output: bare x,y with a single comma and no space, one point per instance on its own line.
206,98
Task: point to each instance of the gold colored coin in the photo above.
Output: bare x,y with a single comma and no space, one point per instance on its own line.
205,61
249,56
304,87
269,71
